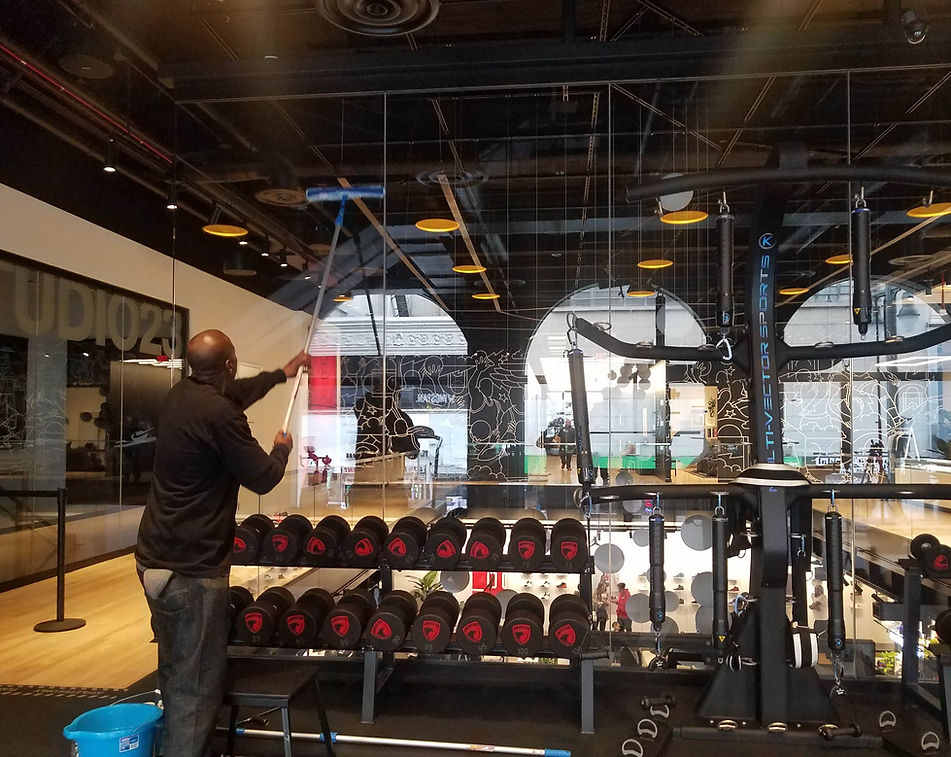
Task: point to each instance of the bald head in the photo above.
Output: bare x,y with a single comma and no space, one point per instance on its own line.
211,356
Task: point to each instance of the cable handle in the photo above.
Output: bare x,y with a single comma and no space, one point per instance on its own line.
656,535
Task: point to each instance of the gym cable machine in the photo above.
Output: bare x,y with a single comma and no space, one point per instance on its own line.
755,679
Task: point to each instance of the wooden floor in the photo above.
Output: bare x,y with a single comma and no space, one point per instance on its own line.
113,650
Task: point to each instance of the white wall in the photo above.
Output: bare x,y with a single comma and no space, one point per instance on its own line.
264,333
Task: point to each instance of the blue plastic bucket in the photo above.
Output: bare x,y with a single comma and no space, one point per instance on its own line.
126,730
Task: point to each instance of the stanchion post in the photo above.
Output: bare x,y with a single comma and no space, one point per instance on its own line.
60,623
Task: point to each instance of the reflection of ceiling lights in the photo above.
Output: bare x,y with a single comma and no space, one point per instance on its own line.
793,291
470,268
345,297
843,259
913,362
930,210
639,292
683,217
437,225
167,363
485,296
653,265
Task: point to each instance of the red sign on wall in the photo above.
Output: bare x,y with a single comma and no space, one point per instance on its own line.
323,382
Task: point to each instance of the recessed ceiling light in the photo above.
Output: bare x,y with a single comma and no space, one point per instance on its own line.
470,268
655,264
793,291
683,217
485,296
931,211
437,225
243,242
843,259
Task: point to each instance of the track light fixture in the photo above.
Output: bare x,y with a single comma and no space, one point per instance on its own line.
109,161
914,27
282,258
171,200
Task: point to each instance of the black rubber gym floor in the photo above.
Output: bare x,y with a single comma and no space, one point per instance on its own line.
528,706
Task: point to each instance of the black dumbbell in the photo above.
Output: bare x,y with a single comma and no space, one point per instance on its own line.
249,538
432,628
569,545
444,545
921,544
942,626
484,548
527,544
238,598
524,626
257,622
390,624
569,626
324,541
362,545
285,542
405,542
344,624
937,561
479,625
299,626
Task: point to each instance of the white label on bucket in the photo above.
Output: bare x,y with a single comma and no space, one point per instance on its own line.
128,743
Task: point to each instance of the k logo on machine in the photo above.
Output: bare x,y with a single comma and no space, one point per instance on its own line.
280,542
316,546
479,551
340,625
253,621
473,631
767,241
363,547
569,550
446,549
526,549
295,624
381,629
521,632
566,635
431,629
239,544
397,547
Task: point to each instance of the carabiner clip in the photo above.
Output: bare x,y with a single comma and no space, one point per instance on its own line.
725,348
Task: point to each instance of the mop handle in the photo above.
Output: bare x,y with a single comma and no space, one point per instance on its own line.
316,317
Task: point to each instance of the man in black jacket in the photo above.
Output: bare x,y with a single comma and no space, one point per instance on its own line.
204,452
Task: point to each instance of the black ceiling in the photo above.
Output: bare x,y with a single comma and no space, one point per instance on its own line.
541,116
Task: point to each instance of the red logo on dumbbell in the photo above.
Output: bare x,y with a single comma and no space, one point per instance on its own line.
446,549
316,546
473,631
569,550
478,550
566,635
521,632
341,625
363,547
239,544
253,621
397,547
431,629
940,563
381,629
280,542
526,549
295,624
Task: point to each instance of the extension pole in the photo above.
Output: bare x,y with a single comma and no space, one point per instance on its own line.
409,743
321,195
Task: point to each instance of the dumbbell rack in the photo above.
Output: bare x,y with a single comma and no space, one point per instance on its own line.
379,666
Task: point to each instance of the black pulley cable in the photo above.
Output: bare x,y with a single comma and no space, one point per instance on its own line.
579,406
655,576
721,625
725,251
861,265
835,636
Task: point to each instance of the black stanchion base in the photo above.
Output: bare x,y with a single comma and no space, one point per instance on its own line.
55,626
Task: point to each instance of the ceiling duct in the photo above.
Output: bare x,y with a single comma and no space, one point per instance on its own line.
454,177
379,18
283,190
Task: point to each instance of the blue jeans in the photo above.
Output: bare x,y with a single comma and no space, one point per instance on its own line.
190,623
